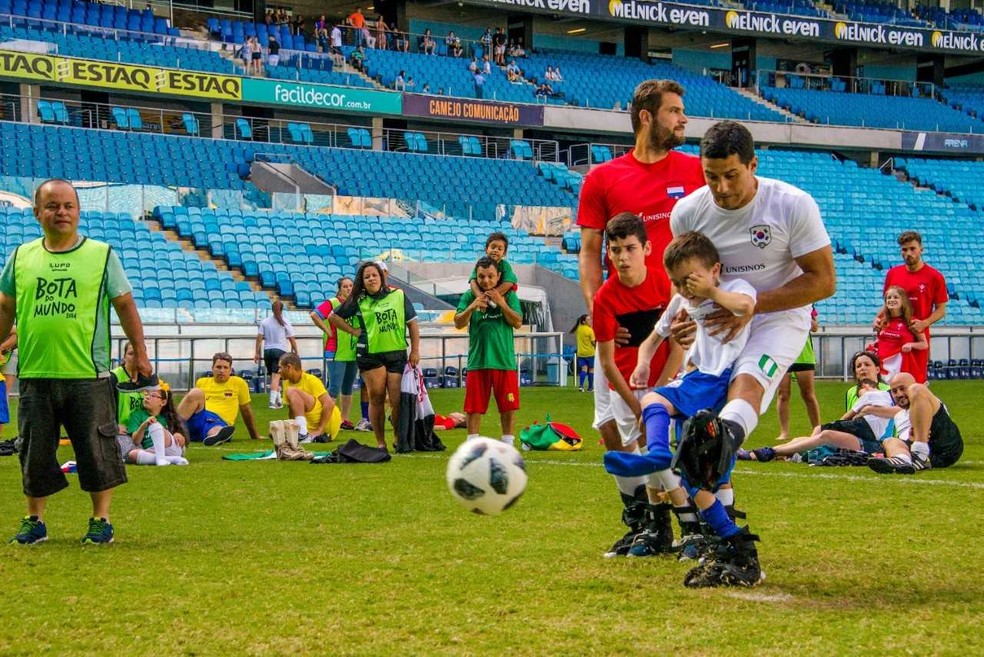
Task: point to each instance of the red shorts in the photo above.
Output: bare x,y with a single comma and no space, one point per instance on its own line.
479,385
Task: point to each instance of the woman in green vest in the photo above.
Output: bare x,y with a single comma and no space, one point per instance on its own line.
864,365
385,317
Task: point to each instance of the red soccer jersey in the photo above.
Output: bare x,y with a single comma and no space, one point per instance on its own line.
636,309
890,341
649,190
926,288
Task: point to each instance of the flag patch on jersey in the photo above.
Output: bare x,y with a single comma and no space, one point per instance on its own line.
761,235
675,192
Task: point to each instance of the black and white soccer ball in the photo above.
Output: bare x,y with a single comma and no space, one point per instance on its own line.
486,476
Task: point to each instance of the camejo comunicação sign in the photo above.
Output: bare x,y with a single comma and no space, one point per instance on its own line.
757,23
321,96
477,111
116,76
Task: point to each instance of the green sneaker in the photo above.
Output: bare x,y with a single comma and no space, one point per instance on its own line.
100,532
32,531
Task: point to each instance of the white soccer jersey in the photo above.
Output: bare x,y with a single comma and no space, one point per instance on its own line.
877,398
760,241
708,353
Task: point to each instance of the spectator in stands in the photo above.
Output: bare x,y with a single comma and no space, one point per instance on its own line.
927,435
440,91
455,50
426,89
804,368
486,41
307,400
401,40
387,316
64,358
485,66
321,25
427,44
357,22
479,85
517,49
153,434
449,41
273,51
211,408
400,84
278,335
898,343
255,56
358,60
548,75
927,292
336,40
499,40
268,18
244,54
557,75
339,351
382,33
513,73
297,28
544,90
410,83
367,37
473,65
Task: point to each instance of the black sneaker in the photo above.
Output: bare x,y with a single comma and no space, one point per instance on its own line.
651,543
692,547
919,463
621,547
764,454
142,383
891,465
732,562
223,435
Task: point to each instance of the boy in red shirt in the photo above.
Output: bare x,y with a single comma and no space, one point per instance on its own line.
634,298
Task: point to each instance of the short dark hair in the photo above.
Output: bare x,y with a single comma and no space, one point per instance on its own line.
497,236
221,355
649,96
291,360
37,190
727,138
691,244
485,262
626,224
910,236
868,382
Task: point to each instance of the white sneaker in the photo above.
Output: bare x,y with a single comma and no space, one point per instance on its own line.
305,438
177,460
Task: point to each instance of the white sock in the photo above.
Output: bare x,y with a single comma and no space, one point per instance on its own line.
508,438
629,485
726,496
177,460
301,424
471,436
145,458
667,479
273,396
740,411
156,432
920,449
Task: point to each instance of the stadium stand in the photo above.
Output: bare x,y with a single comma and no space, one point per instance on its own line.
969,100
163,275
235,32
78,15
877,12
315,68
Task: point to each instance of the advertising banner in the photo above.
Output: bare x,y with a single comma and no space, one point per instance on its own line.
116,76
477,111
756,23
321,96
942,142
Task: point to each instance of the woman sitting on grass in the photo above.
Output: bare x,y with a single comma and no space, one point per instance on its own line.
145,441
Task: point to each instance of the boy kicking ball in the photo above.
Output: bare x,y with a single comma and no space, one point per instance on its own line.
694,267
491,318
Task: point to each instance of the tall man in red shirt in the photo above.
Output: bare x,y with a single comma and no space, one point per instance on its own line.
926,288
647,181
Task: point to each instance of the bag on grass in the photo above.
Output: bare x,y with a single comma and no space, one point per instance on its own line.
550,436
415,431
355,452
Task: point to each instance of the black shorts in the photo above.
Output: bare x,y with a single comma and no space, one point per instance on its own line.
271,358
802,367
945,442
860,429
393,361
87,410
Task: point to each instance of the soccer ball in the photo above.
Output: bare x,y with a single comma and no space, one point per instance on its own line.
487,476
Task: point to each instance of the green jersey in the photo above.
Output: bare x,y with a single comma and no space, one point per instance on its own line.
490,337
63,308
385,316
138,417
126,402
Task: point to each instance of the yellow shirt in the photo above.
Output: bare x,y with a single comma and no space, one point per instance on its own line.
224,399
313,386
585,341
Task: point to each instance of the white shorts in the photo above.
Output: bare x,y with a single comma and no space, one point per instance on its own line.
628,426
602,395
775,342
10,367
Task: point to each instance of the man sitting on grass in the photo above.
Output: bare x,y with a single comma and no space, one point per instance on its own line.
308,401
210,409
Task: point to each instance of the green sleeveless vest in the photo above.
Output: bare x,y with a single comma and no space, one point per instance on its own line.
386,322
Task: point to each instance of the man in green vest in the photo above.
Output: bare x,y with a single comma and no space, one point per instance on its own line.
59,289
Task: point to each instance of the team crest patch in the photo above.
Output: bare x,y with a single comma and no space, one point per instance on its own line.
675,192
761,235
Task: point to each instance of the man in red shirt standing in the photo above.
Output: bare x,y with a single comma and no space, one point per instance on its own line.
647,181
926,288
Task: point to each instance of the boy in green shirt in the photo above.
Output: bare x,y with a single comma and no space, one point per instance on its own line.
496,245
491,317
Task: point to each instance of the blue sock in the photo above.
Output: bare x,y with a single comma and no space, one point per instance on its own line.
657,421
719,520
365,410
591,380
580,379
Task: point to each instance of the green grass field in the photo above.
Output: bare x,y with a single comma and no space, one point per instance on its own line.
268,558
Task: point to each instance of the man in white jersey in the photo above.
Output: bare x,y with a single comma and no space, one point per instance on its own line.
770,234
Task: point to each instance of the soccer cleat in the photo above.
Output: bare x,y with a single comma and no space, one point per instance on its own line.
363,425
891,465
347,426
764,454
32,531
743,455
100,532
920,463
692,547
141,384
223,435
621,547
650,543
730,562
